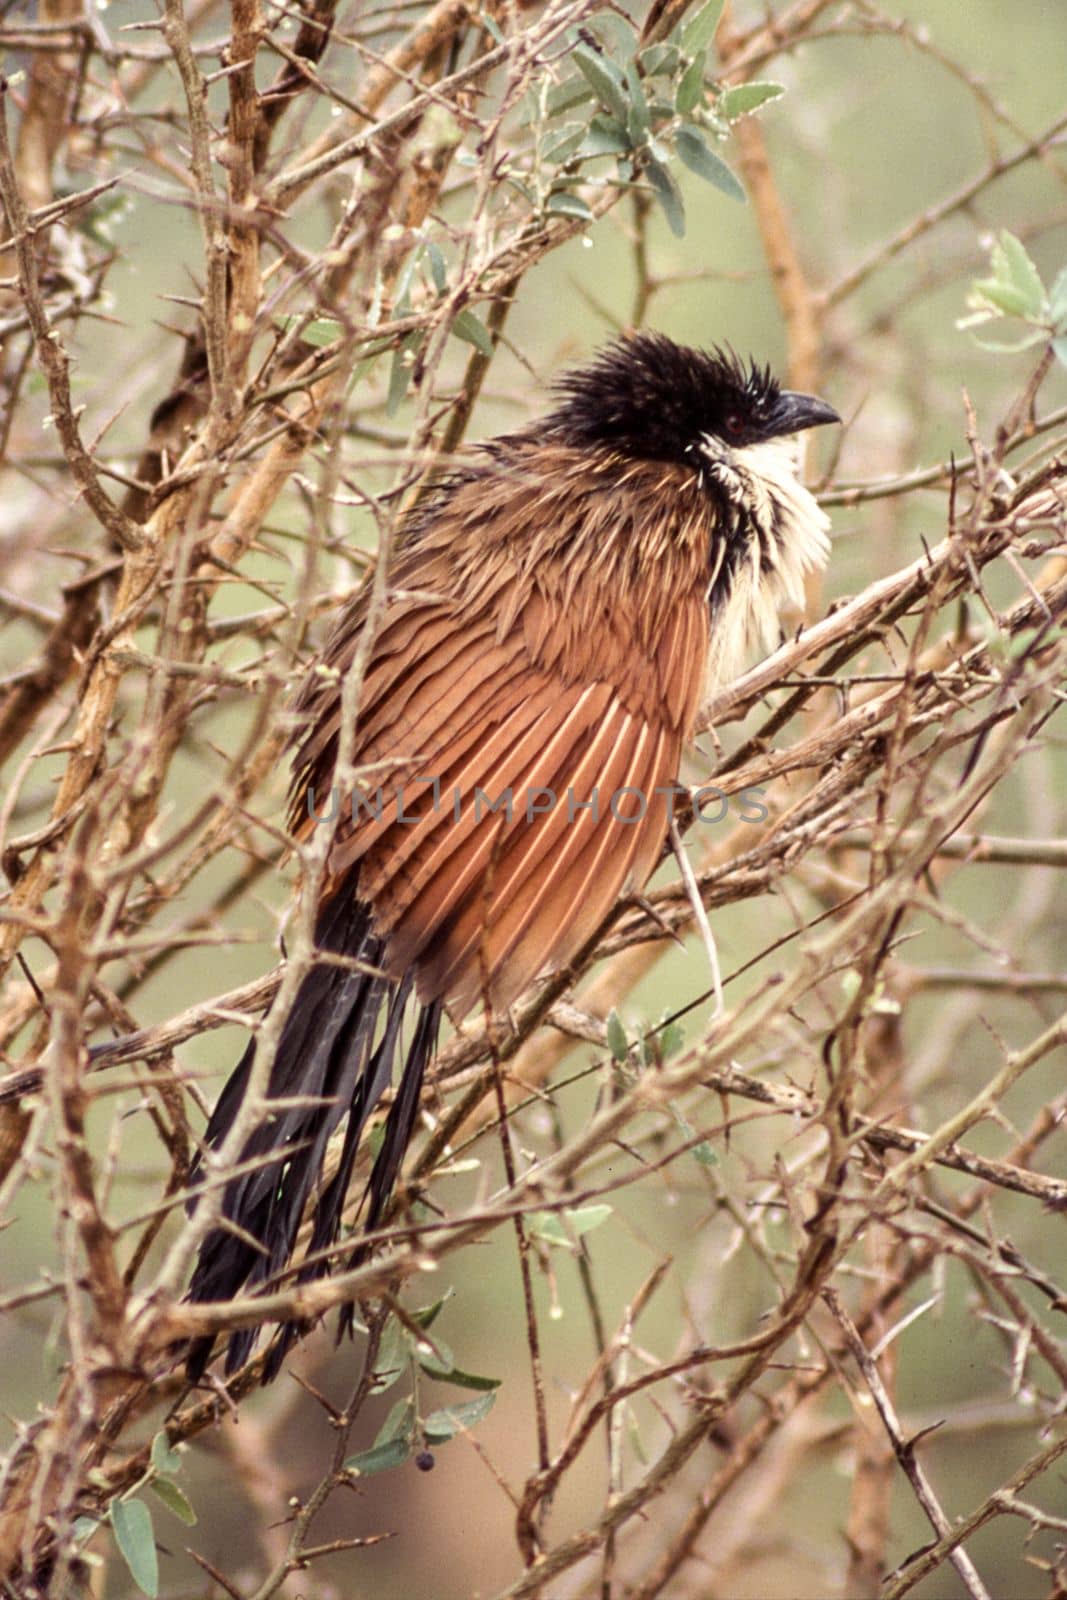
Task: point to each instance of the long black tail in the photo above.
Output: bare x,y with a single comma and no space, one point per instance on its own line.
333,1054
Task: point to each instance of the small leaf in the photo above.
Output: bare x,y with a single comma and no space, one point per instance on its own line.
83,1528
164,1457
565,96
174,1499
461,1379
671,1038
746,98
691,88
1012,264
470,328
669,196
562,204
426,1316
380,1457
1001,296
1058,301
440,1426
399,378
659,60
1059,350
564,1230
699,158
1012,345
438,1362
603,77
438,270
562,143
702,1150
322,331
700,30
618,1043
131,1522
401,301
637,120
394,1355
606,137
616,35
398,1424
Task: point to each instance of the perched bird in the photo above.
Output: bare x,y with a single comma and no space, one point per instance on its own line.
557,608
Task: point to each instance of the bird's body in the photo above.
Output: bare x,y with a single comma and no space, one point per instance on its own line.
556,610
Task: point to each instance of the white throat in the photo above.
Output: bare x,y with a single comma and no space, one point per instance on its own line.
788,537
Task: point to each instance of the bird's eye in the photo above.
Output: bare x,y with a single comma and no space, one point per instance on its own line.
735,423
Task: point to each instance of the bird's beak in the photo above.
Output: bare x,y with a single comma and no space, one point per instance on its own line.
794,412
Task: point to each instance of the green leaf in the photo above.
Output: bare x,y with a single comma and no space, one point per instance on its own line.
380,1457
1012,264
394,1355
83,1528
562,204
131,1522
695,152
562,143
1057,301
603,77
399,378
174,1499
563,1230
565,96
1000,296
699,31
461,1379
1059,350
164,1458
691,88
438,270
399,1424
660,60
637,121
426,1316
401,301
440,1426
671,1038
701,1151
746,98
606,137
322,331
438,1362
1010,345
618,1043
470,328
669,196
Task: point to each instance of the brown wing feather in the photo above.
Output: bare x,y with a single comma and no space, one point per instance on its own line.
554,673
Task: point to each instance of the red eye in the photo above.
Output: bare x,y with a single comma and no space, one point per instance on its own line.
735,423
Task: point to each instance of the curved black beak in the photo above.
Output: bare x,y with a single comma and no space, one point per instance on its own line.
794,412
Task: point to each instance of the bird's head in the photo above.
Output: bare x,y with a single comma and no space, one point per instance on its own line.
651,399
645,398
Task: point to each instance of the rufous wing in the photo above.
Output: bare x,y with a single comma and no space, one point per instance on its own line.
512,794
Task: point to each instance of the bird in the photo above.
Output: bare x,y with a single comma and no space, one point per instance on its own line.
558,604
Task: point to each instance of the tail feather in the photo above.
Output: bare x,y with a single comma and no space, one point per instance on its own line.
327,1057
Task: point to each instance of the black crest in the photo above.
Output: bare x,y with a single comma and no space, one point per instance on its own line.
648,397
